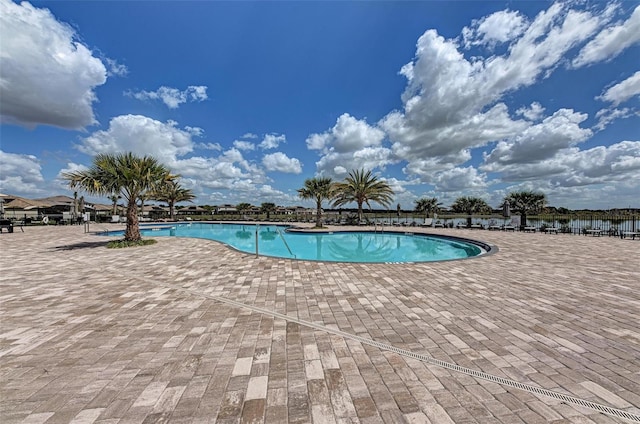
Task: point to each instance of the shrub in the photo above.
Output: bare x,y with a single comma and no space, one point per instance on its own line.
117,244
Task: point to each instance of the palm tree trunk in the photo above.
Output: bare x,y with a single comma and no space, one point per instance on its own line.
172,211
523,220
319,214
132,232
359,212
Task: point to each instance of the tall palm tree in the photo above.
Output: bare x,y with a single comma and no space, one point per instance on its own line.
114,199
362,187
172,192
123,173
427,206
470,205
317,189
526,202
268,207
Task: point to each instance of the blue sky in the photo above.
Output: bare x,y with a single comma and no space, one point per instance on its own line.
248,99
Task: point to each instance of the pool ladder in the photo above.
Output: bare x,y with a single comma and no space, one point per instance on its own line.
285,243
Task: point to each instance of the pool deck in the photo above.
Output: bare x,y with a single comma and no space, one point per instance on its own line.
190,331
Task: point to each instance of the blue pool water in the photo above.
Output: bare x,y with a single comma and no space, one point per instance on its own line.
334,247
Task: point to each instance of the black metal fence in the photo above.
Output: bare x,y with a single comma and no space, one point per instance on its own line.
570,224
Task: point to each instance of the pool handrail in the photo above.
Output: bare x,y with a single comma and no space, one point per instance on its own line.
285,243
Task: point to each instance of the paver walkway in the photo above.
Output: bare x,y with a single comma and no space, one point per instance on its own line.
157,333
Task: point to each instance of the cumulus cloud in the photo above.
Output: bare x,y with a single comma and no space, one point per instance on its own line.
459,179
539,142
347,135
272,141
244,145
498,27
172,97
140,135
21,174
611,41
47,76
533,113
574,167
620,161
622,91
282,163
452,104
349,144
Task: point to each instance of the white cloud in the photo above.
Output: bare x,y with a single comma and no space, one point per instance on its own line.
622,91
195,131
21,175
459,179
318,141
349,144
282,163
453,104
533,113
140,135
538,142
570,167
498,27
610,42
244,145
620,161
272,141
622,193
47,76
426,168
249,135
172,97
208,146
347,135
115,68
229,172
607,116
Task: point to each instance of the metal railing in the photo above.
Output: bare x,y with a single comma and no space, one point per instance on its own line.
285,243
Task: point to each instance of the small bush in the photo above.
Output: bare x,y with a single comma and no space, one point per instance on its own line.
117,244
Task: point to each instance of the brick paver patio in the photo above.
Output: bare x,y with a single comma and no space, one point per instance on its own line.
157,333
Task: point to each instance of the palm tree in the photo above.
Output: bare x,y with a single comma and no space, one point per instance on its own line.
470,205
427,206
267,207
526,202
143,198
362,187
123,173
81,207
172,192
318,189
74,213
242,208
114,199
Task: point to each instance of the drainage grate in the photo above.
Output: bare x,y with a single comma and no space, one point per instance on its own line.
614,412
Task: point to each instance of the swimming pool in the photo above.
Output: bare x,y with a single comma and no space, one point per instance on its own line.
348,246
